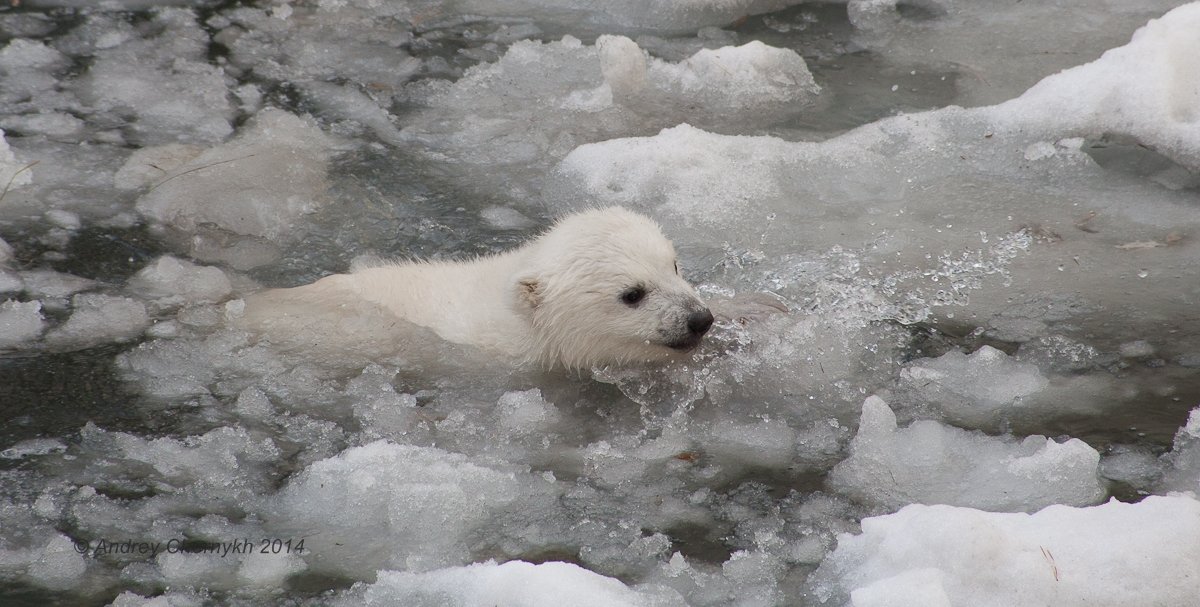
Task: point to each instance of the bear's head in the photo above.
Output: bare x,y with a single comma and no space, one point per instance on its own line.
603,286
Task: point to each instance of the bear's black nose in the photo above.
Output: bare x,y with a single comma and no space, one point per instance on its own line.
699,322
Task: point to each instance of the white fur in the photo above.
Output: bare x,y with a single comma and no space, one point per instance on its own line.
557,300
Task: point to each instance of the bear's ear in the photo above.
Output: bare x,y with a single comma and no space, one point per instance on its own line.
529,292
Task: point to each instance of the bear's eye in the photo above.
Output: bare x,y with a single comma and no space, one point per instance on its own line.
633,295
676,267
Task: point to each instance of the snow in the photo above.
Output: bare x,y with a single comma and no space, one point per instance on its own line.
1145,90
510,584
1113,553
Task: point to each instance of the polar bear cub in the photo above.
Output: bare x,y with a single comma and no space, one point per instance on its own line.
600,287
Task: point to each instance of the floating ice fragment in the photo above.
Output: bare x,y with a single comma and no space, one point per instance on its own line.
311,47
58,566
171,281
1183,462
769,444
505,218
615,83
13,173
148,166
1146,90
232,202
931,463
54,125
1115,553
33,447
98,318
526,412
511,584
975,386
1137,349
164,82
20,322
48,283
385,505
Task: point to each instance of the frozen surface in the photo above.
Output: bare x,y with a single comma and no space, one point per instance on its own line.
1114,553
984,307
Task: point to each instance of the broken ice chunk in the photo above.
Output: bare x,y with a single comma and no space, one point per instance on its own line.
20,322
932,463
1112,554
97,319
973,387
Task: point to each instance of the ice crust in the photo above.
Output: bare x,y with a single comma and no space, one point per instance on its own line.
943,555
978,276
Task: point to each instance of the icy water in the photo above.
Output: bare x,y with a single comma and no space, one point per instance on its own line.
991,301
